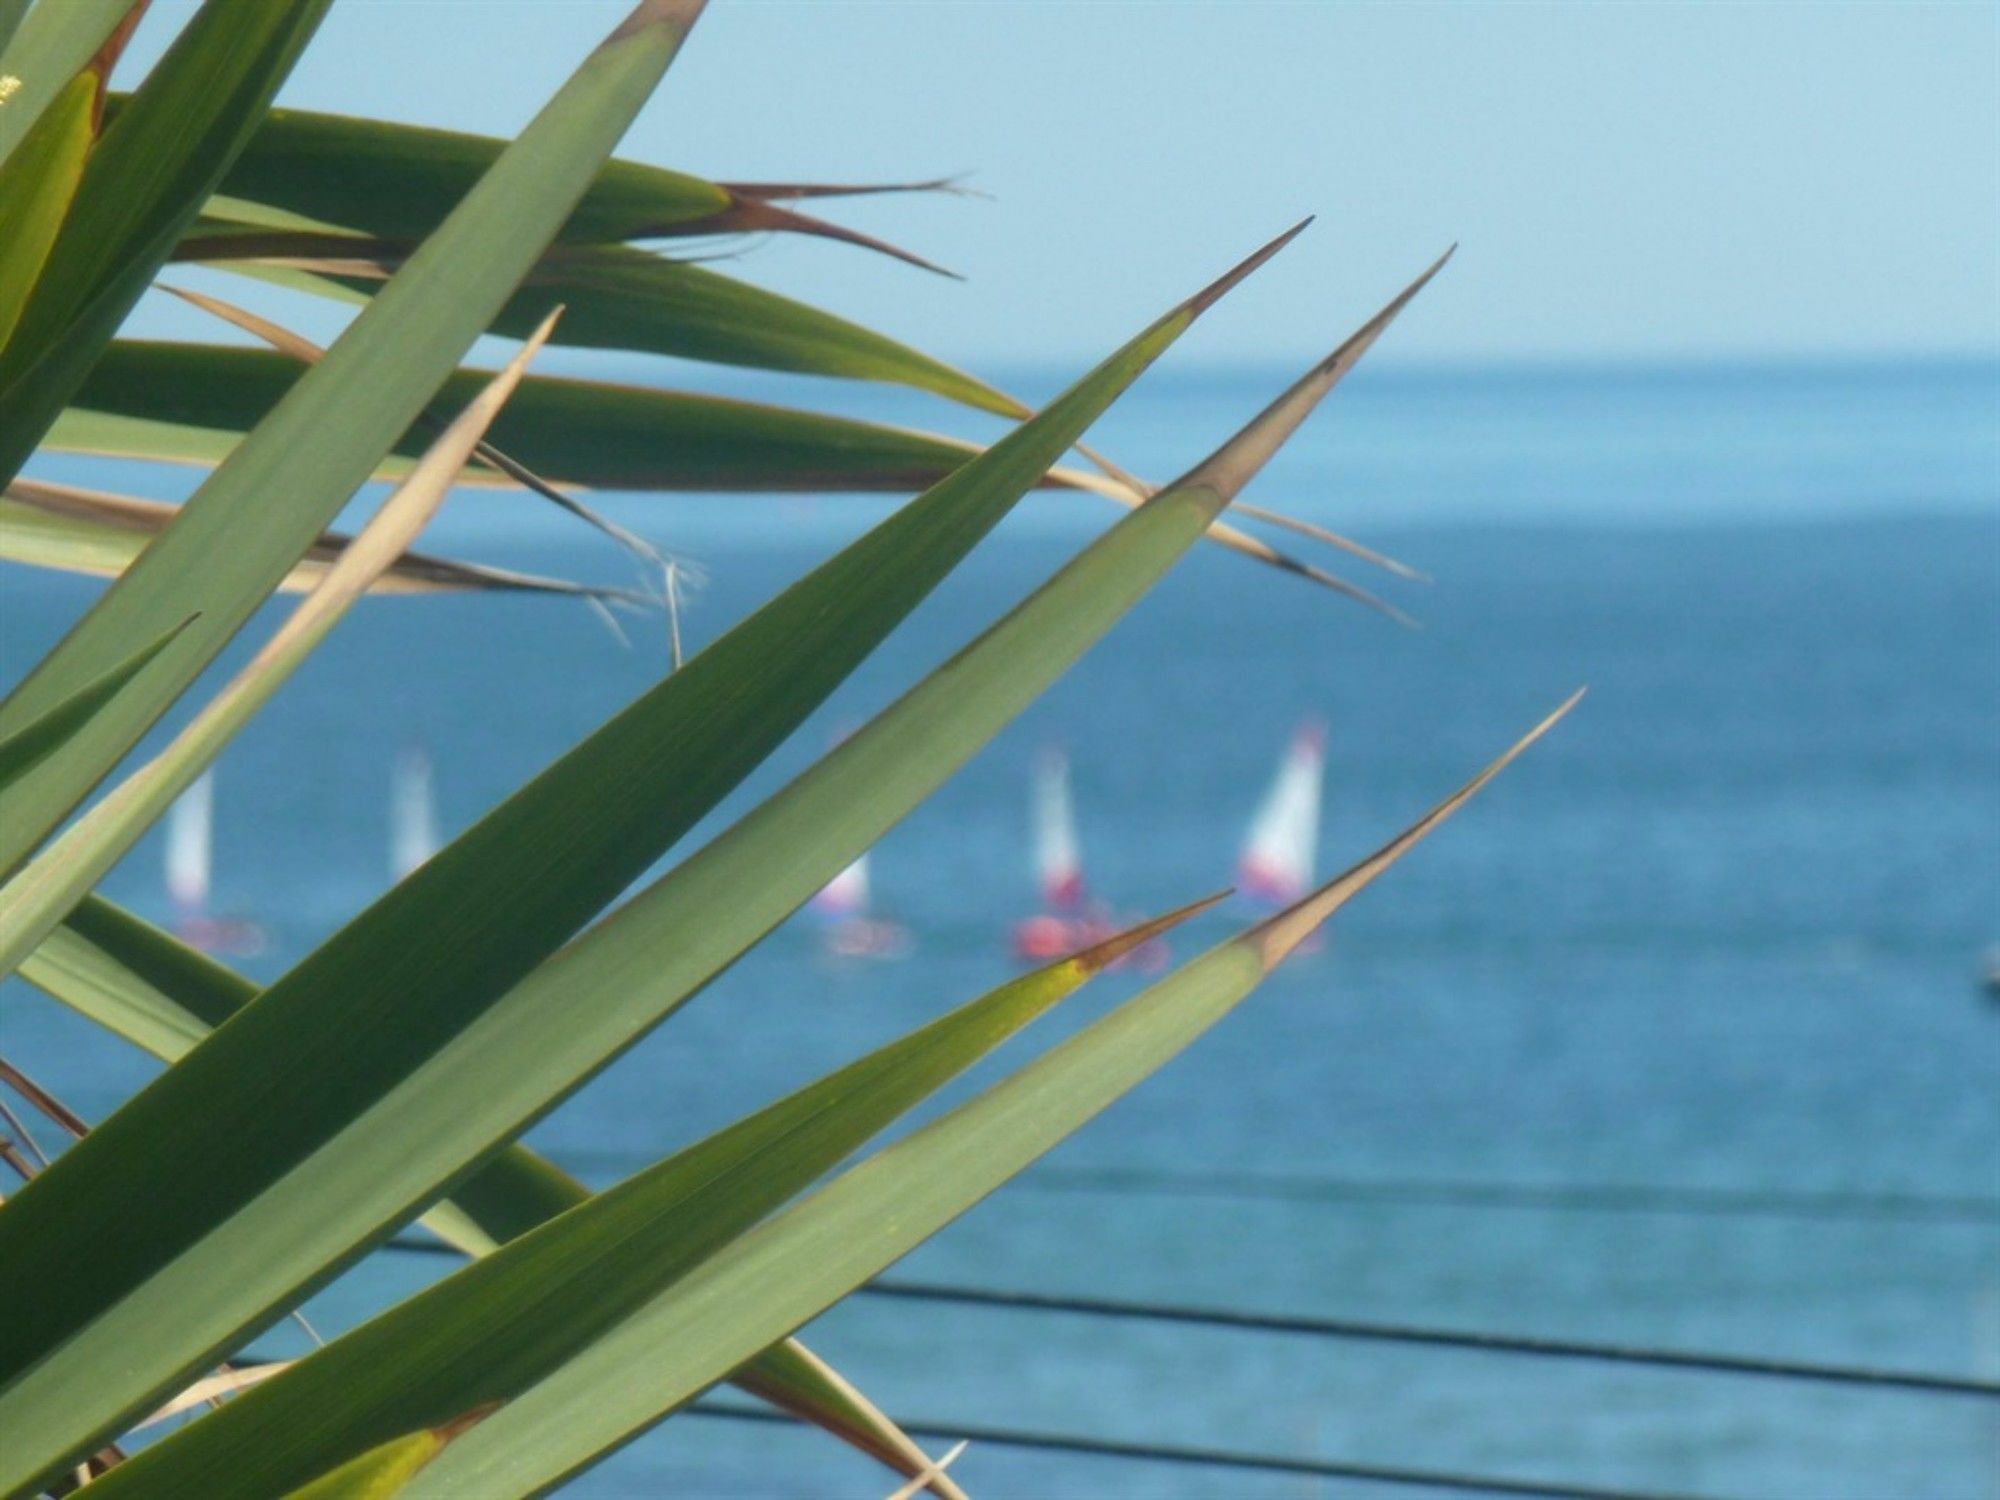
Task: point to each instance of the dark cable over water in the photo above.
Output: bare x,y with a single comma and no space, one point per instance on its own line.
1216,1458
1220,1458
1389,1333
1340,1328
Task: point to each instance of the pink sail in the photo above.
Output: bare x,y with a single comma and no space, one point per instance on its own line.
1276,866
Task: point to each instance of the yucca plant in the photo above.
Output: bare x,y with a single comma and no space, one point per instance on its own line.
385,1078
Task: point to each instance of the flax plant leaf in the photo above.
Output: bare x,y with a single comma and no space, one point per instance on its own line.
794,1266
622,298
307,457
144,182
193,403
493,1329
93,532
48,48
663,945
386,1102
38,897
45,735
36,185
148,987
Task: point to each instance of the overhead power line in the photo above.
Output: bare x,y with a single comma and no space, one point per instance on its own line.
1391,1333
982,1435
979,1435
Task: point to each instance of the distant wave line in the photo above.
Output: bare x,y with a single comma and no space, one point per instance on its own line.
1441,1192
1597,1197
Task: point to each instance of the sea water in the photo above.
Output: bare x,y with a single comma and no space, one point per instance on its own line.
1674,1038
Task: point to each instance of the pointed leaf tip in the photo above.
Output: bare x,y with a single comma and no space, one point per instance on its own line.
1358,344
1216,290
532,345
1334,539
1277,936
932,1472
107,55
1355,592
463,1423
1106,953
1237,461
674,15
761,214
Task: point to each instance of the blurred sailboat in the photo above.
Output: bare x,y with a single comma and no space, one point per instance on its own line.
413,835
1277,862
1279,857
841,907
190,858
1069,920
846,928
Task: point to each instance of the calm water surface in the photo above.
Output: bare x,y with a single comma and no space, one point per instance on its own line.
1720,932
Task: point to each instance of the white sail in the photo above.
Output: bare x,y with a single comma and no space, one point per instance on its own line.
413,836
1278,858
1058,857
189,824
846,895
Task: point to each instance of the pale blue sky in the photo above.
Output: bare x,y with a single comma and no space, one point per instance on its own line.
1628,180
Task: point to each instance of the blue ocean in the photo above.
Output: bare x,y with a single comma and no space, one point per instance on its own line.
1675,1038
